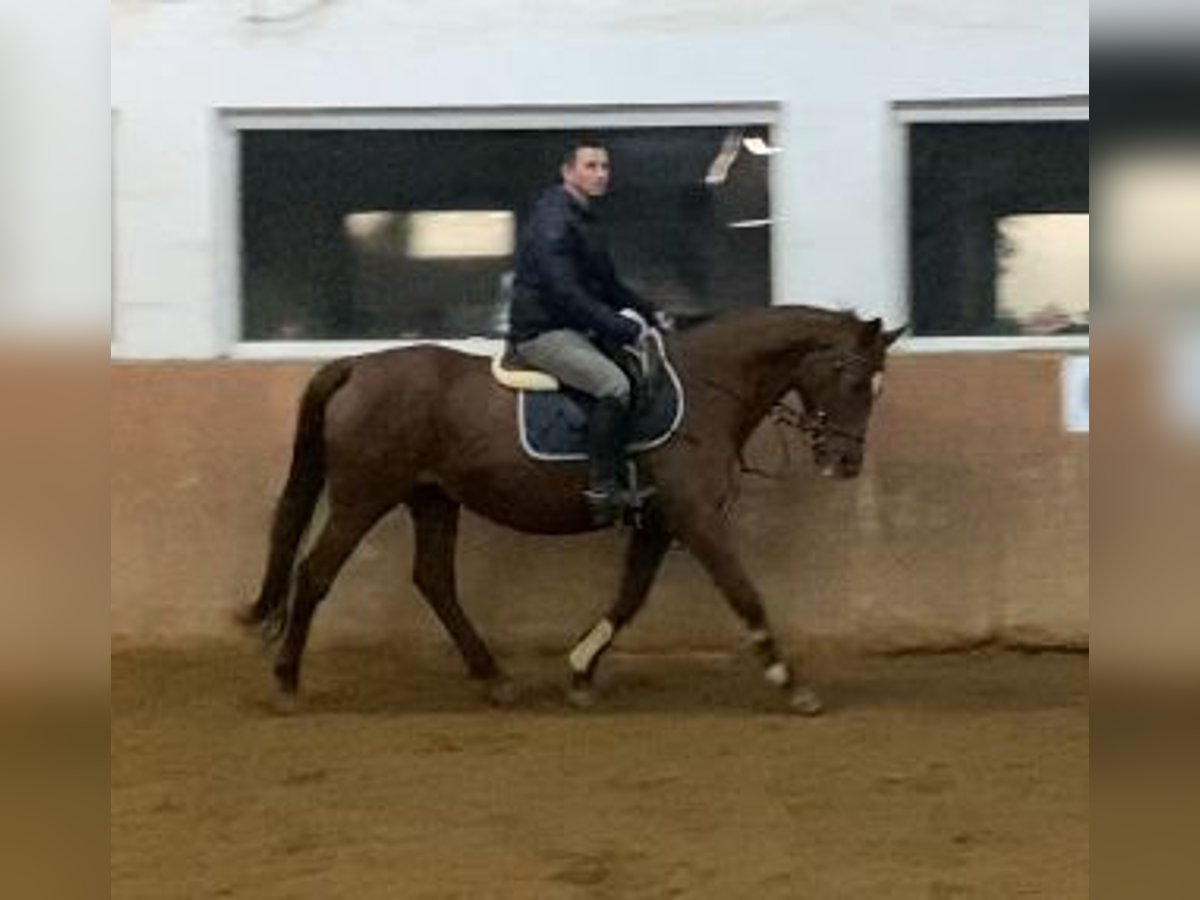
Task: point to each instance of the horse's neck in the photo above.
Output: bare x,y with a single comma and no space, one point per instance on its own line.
750,361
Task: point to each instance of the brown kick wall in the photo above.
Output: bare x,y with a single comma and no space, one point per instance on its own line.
969,523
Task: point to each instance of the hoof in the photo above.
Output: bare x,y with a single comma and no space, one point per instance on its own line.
286,703
287,677
268,625
805,702
500,692
247,616
581,697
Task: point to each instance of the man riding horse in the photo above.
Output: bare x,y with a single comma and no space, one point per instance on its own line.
565,317
432,428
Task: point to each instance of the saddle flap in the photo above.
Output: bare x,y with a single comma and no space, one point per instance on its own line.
553,426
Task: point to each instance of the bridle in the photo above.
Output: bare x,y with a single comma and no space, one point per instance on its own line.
815,424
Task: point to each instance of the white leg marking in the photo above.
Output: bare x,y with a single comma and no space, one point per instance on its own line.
777,674
593,642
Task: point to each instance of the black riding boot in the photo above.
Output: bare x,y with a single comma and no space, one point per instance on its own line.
606,449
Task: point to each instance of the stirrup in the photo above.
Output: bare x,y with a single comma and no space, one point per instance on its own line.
605,506
635,496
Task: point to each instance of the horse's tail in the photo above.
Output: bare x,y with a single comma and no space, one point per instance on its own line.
294,510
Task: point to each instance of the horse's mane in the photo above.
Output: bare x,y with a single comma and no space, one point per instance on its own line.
744,324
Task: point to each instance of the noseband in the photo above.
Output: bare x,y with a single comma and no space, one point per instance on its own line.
819,431
816,423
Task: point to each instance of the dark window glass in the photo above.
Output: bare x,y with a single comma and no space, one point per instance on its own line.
393,233
998,228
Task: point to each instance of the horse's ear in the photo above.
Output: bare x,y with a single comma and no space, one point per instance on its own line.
890,337
870,333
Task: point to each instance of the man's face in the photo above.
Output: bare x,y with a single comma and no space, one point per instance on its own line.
586,176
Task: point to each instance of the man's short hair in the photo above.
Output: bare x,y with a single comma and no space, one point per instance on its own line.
582,142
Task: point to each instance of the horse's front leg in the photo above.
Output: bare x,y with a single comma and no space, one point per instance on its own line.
706,535
643,556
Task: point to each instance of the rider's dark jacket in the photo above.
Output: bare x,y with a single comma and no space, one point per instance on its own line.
565,278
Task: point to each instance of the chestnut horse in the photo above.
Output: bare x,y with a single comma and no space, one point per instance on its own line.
430,428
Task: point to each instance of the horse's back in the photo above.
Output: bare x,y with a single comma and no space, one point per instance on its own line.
399,393
427,359
421,371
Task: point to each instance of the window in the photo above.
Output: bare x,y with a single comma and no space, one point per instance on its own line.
394,233
998,228
1042,279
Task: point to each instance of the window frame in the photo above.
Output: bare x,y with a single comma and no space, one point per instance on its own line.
234,121
906,113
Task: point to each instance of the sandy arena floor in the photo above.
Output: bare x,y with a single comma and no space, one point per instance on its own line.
957,776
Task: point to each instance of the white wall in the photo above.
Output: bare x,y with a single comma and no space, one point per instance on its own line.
54,170
833,66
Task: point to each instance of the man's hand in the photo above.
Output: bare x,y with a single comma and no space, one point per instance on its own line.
659,319
637,319
663,320
631,334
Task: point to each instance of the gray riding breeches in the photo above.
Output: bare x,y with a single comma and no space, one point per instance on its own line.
577,362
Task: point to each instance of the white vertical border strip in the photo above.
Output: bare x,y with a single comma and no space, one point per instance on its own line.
1076,394
776,132
114,303
227,252
912,112
232,122
900,303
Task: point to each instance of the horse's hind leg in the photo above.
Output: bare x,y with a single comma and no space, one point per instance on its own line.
435,521
708,539
643,556
343,531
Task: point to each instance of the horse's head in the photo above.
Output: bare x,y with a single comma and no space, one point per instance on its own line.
838,386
